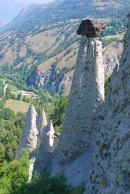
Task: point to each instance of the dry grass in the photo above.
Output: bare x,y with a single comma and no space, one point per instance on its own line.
43,41
67,61
17,105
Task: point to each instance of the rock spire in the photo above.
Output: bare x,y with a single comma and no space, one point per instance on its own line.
50,134
87,93
30,132
47,147
48,137
42,122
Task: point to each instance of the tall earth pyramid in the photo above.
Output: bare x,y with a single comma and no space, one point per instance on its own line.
87,93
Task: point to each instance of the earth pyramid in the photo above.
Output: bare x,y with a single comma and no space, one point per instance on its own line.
86,95
30,132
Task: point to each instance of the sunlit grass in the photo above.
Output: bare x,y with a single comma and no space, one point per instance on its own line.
17,105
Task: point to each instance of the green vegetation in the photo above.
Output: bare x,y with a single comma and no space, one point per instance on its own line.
13,175
11,126
54,106
106,85
45,184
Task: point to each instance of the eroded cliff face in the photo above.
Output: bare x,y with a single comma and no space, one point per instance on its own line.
53,79
111,164
111,57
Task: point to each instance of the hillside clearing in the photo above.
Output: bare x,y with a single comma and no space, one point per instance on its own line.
17,105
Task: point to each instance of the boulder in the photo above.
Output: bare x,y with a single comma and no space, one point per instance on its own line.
90,28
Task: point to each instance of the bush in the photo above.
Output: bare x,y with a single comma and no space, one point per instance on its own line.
106,85
1,104
45,184
7,114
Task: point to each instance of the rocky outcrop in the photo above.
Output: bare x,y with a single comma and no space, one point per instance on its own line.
111,57
111,164
31,168
30,132
50,79
48,136
46,149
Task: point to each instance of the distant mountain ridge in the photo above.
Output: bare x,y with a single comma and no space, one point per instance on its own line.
58,11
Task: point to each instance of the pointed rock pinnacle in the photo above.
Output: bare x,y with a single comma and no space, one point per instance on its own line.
29,136
42,122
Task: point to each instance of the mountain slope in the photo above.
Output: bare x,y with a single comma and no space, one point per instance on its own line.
43,39
58,11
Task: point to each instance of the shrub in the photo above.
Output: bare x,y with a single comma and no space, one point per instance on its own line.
45,184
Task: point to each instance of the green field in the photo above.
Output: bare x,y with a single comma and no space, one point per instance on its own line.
17,105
